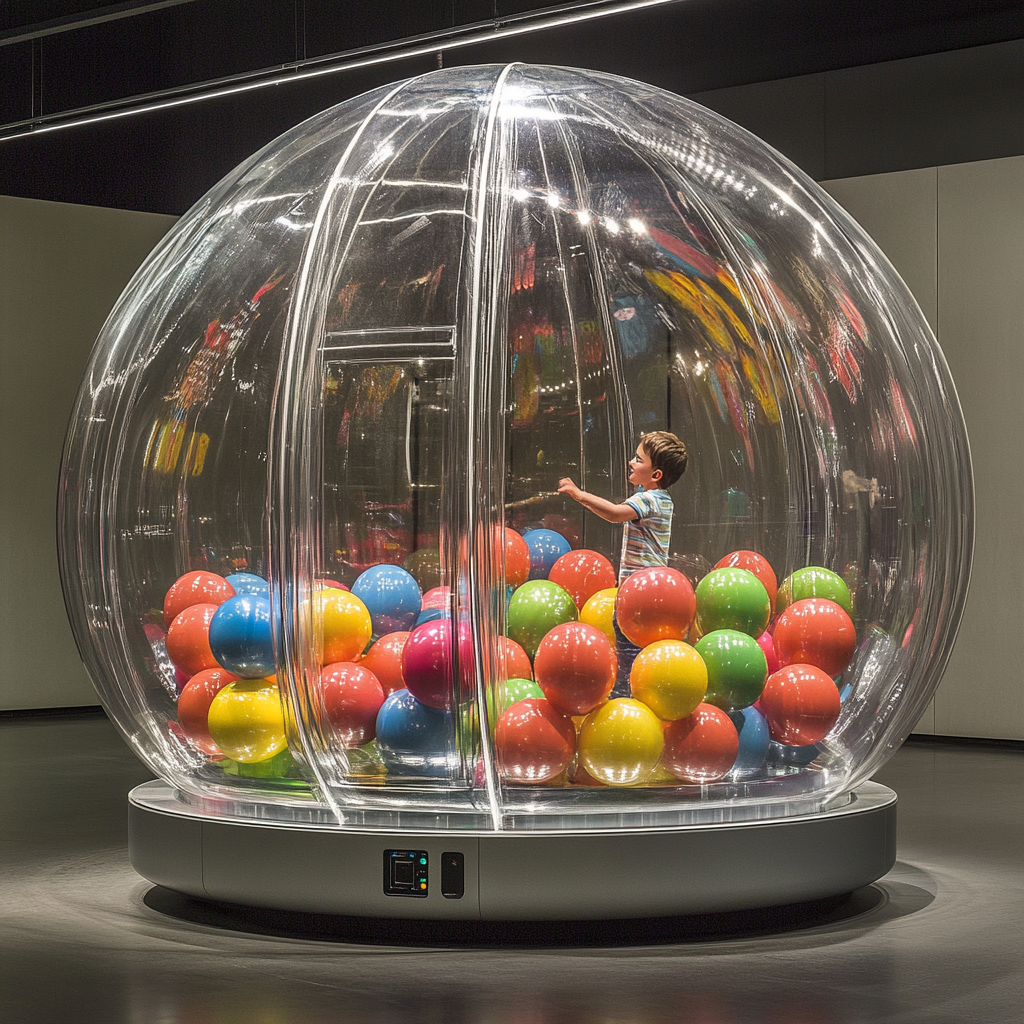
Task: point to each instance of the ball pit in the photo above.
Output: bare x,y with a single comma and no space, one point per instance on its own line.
372,356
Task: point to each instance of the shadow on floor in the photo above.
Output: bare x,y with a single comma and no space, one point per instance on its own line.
867,907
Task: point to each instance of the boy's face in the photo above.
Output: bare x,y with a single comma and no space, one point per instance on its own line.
641,472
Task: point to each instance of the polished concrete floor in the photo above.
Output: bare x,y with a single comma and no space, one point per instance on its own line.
84,939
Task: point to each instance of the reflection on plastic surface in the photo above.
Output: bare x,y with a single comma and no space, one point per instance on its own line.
320,441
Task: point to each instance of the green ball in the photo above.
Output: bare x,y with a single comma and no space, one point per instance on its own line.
814,581
732,598
535,609
737,668
512,691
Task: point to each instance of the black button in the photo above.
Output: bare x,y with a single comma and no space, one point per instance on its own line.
453,876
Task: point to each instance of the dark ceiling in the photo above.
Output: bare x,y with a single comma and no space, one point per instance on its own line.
58,56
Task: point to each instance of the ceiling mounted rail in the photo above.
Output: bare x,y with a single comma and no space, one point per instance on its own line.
335,63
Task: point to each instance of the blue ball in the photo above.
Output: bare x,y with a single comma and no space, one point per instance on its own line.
249,583
781,756
241,638
392,597
754,741
546,548
414,739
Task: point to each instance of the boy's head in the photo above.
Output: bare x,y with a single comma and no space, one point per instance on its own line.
667,453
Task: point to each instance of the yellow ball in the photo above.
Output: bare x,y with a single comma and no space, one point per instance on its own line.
342,624
246,721
620,742
597,611
670,677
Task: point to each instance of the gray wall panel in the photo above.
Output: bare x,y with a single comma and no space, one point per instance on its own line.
61,269
898,210
981,280
788,113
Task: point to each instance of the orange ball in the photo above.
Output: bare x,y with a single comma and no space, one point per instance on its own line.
702,747
194,705
517,559
199,587
534,741
188,639
513,661
755,563
655,604
815,631
352,696
583,573
384,660
800,703
575,666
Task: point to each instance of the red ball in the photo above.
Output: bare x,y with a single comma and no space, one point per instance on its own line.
534,741
800,703
513,661
583,573
655,604
384,660
352,696
701,747
194,705
427,664
755,563
517,559
198,587
575,666
815,631
188,639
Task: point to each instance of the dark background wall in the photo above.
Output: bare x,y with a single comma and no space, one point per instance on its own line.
844,88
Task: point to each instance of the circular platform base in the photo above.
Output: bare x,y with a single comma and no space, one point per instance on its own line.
582,875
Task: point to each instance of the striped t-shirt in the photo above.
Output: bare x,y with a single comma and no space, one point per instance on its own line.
645,540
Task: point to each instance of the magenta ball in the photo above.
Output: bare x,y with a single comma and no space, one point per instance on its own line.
767,644
427,664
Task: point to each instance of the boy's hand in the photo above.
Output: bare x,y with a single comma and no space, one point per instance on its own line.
566,486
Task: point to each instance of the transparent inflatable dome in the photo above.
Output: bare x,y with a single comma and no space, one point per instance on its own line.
347,483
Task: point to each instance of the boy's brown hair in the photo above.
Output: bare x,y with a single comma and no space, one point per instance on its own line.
667,453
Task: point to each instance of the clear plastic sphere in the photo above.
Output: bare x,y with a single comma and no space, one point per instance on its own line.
355,373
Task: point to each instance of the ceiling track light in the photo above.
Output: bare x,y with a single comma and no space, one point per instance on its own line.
315,67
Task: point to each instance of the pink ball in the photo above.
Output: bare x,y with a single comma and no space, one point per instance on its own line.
767,644
427,664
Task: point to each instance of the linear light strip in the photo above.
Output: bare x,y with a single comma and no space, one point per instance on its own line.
419,46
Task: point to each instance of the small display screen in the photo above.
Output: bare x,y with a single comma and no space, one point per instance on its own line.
405,872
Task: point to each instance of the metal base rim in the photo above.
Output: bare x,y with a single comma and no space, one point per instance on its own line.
523,876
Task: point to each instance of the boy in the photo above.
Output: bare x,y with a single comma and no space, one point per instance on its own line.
659,462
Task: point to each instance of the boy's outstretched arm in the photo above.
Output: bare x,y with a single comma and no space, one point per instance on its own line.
607,510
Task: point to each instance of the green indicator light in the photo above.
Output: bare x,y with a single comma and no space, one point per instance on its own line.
423,860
